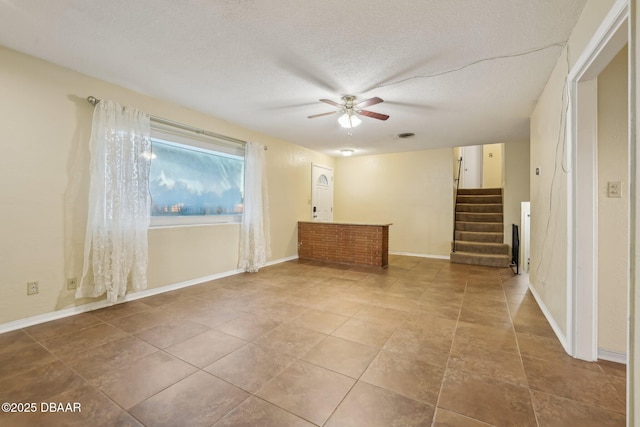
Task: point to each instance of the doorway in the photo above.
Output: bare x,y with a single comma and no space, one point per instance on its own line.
613,208
479,166
583,185
321,193
471,170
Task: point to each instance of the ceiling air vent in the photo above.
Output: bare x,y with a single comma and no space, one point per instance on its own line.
406,135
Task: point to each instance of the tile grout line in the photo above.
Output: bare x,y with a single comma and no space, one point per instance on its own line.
444,373
88,382
282,298
361,374
515,334
365,370
547,360
298,359
250,394
158,349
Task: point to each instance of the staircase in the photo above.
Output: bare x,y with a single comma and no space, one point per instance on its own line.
479,229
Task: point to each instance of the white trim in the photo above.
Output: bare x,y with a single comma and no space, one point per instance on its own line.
281,260
202,140
188,141
582,296
67,312
612,356
594,57
556,329
525,236
193,220
419,255
199,224
582,221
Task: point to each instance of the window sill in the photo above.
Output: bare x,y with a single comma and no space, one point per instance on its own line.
193,221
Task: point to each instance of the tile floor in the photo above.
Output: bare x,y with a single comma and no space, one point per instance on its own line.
422,343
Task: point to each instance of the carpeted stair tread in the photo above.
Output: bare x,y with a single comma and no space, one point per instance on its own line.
478,198
479,207
480,259
482,191
482,247
479,226
479,217
480,236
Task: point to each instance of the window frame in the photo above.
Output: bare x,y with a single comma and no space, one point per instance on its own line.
196,141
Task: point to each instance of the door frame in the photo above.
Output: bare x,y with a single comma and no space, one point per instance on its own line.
313,188
582,196
525,233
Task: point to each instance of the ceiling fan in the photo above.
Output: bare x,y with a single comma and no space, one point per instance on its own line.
351,110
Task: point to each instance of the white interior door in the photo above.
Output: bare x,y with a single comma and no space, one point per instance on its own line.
471,174
321,193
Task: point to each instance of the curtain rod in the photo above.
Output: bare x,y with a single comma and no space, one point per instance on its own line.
94,101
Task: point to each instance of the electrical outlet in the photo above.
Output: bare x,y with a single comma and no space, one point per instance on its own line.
72,283
614,189
33,288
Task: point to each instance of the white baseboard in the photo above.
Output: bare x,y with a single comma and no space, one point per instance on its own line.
281,260
612,356
419,255
603,354
556,329
66,312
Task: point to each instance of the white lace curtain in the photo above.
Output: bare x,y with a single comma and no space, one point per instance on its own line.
255,241
115,252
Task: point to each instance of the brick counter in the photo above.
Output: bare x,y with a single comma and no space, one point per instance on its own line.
354,244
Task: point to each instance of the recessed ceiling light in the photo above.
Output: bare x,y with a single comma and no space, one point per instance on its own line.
406,135
346,152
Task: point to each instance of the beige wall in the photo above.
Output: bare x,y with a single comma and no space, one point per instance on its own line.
549,208
412,190
613,213
46,124
516,184
548,273
492,165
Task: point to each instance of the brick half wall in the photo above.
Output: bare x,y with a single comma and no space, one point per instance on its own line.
352,244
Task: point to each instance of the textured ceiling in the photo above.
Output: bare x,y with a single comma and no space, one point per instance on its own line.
454,72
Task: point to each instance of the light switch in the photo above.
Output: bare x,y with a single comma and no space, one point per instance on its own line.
614,189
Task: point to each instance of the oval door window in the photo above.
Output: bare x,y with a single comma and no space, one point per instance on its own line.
322,180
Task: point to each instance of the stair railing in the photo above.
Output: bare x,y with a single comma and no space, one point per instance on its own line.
515,248
455,202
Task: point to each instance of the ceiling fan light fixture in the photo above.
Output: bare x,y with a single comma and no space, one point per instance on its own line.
349,120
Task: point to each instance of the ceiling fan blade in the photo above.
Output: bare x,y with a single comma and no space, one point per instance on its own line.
330,102
368,102
373,115
322,114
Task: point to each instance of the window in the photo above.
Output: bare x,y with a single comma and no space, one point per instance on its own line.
194,179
